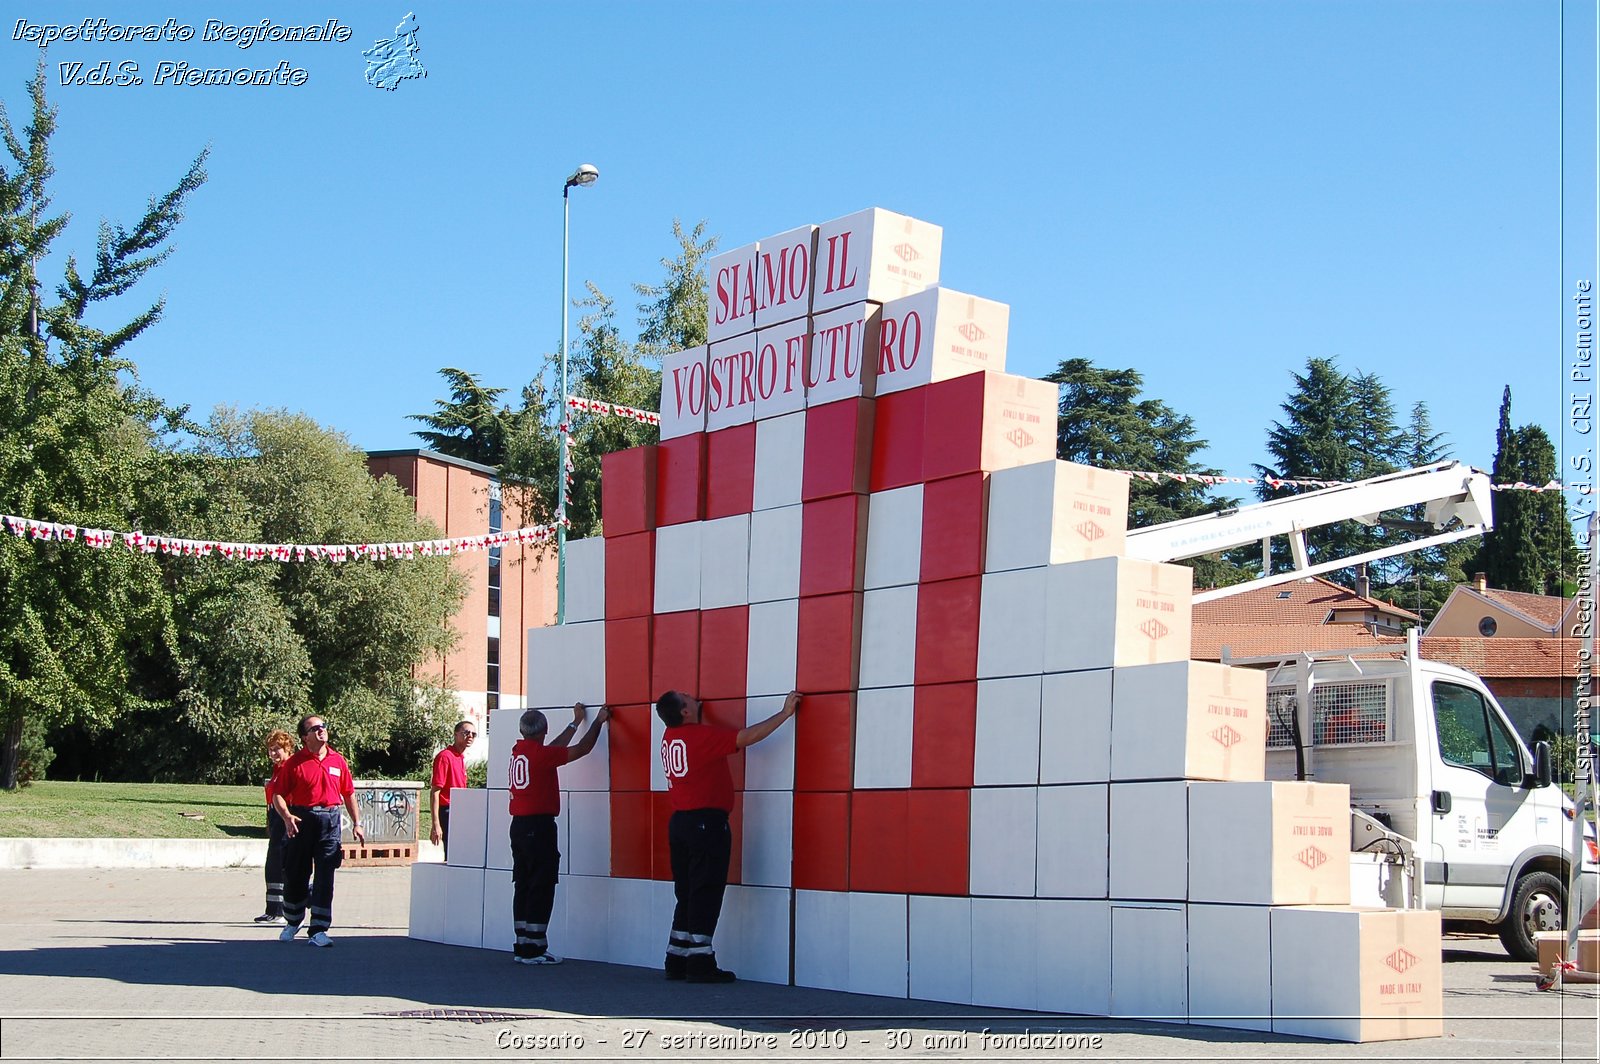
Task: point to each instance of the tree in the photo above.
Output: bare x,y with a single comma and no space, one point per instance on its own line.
1424,579
77,445
1102,422
1530,548
471,424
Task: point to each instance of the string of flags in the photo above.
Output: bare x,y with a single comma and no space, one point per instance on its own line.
27,528
1286,482
595,406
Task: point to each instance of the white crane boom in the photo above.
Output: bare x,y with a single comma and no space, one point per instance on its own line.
1455,500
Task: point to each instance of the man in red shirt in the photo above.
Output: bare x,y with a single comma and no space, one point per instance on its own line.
535,801
280,748
449,771
307,791
700,791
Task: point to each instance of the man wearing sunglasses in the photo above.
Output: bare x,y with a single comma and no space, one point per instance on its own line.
449,772
307,791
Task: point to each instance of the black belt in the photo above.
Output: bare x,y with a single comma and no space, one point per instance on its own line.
313,808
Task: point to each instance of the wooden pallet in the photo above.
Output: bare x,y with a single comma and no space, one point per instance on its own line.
379,853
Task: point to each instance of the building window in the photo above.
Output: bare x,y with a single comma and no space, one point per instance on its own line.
1487,627
492,685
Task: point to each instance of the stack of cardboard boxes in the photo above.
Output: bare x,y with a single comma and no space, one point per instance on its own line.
1007,785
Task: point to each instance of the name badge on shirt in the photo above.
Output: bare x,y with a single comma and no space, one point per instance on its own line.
333,770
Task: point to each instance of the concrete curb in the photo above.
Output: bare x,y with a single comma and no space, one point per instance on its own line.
148,853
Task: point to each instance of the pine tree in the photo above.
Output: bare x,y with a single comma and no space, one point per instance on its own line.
1510,554
471,424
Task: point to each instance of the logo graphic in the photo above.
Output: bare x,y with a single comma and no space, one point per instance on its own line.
907,253
393,61
1089,530
1401,960
675,758
970,330
1153,629
1311,857
1019,438
1225,736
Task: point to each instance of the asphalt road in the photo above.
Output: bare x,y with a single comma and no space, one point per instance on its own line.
165,965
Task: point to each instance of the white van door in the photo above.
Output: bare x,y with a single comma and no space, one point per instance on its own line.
1477,798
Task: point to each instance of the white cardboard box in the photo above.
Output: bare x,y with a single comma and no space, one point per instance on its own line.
567,664
1073,956
678,567
1004,959
1011,625
940,946
874,254
775,553
497,844
772,642
1047,513
1149,979
889,637
725,572
842,344
1188,720
731,293
1006,746
469,820
499,927
780,459
937,334
429,901
589,822
1230,966
1003,835
878,950
1116,611
1275,843
883,738
769,764
586,579
463,914
503,735
1074,841
1357,975
894,537
683,393
785,267
1149,841
639,921
822,939
768,837
587,904
731,382
1075,727
753,934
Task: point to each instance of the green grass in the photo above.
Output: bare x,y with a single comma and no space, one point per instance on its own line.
51,810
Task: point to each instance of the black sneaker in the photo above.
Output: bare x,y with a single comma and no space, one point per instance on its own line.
702,968
676,966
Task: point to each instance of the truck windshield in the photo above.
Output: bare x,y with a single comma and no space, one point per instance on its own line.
1473,737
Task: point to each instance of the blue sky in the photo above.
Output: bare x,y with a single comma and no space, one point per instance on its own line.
1209,192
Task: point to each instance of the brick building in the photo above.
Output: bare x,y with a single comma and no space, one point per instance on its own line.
510,589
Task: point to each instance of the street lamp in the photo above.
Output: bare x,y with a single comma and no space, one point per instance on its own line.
583,175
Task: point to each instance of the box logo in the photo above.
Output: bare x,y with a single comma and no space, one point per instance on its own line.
1401,960
1019,437
1154,629
1089,531
907,253
1311,857
970,330
1226,737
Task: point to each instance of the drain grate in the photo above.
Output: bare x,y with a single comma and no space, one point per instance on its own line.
457,1015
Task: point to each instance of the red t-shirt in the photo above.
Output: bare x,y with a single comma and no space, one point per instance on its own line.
449,770
534,791
305,780
695,757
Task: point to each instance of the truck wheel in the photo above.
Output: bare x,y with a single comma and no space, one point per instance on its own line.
1535,906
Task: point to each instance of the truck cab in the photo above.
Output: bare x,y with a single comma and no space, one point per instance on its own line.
1430,756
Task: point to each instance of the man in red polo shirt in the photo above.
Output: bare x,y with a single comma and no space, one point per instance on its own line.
449,772
700,791
535,802
307,791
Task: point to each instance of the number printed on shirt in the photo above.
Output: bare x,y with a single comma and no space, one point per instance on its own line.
519,771
675,758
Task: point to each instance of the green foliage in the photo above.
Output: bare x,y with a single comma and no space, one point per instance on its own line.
471,424
1531,548
1103,422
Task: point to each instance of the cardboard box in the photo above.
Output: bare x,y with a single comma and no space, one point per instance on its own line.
769,764
833,545
731,293
1007,751
1150,841
753,934
829,643
940,947
1072,956
1115,612
775,540
1074,841
639,909
630,834
821,846
954,520
589,821
944,726
499,929
462,924
1052,512
877,945
839,357
429,901
879,855
1011,636
894,537
780,461
837,449
883,743
469,823
1274,843
681,479
1553,948
1075,727
782,354
824,743
567,664
1195,720
724,562
937,334
724,653
628,490
628,660
730,471
773,638
898,439
821,936
785,267
631,751
1005,825
1004,967
731,382
938,837
1230,966
497,844
678,567
1357,975
874,254
947,630
1149,979
987,421
630,575
675,653
768,840
889,639
683,393
586,579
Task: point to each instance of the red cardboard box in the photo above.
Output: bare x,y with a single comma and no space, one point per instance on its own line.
938,835
628,661
675,656
828,643
730,471
660,844
944,729
947,630
879,847
630,749
630,834
680,479
833,544
838,449
824,743
727,713
821,841
897,439
955,519
628,491
988,421
724,653
630,575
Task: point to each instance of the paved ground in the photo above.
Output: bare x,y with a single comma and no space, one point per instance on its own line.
162,965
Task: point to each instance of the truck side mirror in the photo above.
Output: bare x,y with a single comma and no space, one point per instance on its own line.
1542,774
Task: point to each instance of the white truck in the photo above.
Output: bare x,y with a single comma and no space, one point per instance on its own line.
1450,810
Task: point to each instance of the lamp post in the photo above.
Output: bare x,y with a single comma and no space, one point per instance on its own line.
583,175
